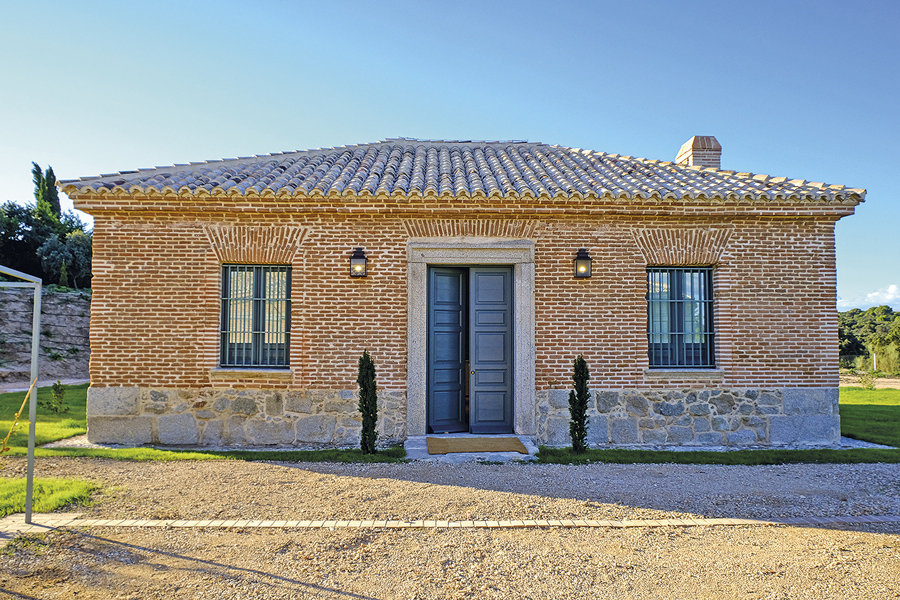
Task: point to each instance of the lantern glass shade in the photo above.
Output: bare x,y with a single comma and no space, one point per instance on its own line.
582,263
358,262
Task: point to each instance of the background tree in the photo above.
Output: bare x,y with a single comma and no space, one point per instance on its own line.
80,246
26,229
54,254
20,237
74,255
893,334
867,333
849,344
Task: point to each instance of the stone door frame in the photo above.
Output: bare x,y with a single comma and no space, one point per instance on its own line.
422,252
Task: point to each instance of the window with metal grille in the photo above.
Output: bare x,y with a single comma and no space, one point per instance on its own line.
679,317
255,315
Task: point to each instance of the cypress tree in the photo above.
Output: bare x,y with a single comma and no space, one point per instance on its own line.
63,275
51,194
578,399
45,191
368,402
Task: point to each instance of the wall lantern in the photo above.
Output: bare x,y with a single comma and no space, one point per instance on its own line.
582,263
358,262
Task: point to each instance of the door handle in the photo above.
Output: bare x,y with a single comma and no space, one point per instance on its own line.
473,372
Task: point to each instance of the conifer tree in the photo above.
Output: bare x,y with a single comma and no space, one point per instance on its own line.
63,275
45,192
368,402
578,399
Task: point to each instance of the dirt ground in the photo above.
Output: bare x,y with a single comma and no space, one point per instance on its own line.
668,562
880,384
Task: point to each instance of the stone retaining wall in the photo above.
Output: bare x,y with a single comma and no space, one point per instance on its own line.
229,417
706,417
64,346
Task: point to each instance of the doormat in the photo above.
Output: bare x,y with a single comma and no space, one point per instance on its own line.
475,444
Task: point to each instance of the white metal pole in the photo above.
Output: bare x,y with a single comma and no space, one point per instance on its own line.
32,408
32,282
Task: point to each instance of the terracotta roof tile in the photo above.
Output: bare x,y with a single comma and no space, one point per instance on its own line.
404,166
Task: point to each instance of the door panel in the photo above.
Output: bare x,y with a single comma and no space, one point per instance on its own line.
485,377
447,317
490,332
490,317
447,349
491,287
489,410
490,348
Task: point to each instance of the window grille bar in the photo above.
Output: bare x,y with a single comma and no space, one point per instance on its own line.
679,321
255,309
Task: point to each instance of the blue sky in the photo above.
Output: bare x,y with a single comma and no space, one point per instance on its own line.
808,90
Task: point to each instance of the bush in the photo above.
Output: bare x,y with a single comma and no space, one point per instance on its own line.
57,402
866,380
368,403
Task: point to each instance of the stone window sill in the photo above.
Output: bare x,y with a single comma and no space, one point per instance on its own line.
684,374
251,374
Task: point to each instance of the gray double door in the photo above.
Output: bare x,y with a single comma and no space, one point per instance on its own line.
470,327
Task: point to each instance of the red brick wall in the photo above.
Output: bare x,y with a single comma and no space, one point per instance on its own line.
774,309
155,310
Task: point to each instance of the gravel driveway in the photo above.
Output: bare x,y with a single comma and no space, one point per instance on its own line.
667,562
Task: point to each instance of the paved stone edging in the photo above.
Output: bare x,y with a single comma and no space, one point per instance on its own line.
15,525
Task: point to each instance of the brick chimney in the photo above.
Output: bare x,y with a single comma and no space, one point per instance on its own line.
702,151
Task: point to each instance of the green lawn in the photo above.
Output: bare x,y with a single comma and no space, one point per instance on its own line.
49,494
871,415
858,395
736,457
50,426
394,454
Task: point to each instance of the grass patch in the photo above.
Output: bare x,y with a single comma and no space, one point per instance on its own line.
565,456
876,424
49,494
395,454
50,426
35,543
858,395
871,415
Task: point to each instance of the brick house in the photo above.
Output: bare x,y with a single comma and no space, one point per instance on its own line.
226,311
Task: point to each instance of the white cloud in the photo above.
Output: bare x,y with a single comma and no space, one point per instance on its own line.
885,296
889,295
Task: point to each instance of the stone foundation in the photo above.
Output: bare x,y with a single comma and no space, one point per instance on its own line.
329,418
246,417
692,417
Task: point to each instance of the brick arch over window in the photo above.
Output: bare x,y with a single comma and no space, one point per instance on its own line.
255,245
682,246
